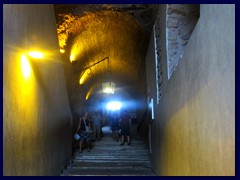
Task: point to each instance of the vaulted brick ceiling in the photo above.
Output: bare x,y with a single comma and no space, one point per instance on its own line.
117,34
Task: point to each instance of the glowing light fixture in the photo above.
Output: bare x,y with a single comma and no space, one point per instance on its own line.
81,81
108,87
72,57
26,68
36,55
151,106
114,105
62,51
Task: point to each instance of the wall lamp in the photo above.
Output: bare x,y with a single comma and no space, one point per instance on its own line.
35,55
25,65
108,87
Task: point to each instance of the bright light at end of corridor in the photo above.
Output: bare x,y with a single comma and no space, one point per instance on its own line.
26,68
114,105
36,55
72,57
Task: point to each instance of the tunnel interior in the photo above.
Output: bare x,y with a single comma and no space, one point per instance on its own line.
170,65
105,43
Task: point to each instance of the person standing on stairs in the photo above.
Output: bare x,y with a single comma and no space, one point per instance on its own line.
85,133
115,126
125,121
97,125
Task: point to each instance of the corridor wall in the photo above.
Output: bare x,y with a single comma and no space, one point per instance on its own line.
37,137
193,133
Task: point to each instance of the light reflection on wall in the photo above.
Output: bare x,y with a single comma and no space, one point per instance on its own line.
26,100
72,57
89,93
25,67
92,90
84,76
73,54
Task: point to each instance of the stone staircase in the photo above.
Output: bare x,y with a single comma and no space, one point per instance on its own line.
108,158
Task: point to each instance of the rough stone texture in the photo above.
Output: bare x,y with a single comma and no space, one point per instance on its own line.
194,127
145,14
36,114
181,20
158,58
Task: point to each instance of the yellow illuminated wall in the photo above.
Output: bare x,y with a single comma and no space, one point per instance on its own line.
36,113
112,34
84,76
193,133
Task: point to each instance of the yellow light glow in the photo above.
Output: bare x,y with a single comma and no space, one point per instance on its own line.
81,81
26,68
85,76
88,94
62,51
72,57
26,100
36,54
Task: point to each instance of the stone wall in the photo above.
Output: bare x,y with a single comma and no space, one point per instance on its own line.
193,133
37,127
181,20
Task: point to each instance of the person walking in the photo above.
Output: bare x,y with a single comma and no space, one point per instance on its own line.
115,126
125,121
85,133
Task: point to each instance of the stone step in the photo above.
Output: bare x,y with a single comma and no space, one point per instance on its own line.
74,168
111,160
120,154
111,164
118,147
108,158
110,147
120,151
117,171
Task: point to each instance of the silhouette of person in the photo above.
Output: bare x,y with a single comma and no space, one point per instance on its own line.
85,133
125,121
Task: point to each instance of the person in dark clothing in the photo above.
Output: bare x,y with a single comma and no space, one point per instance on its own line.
115,126
85,132
125,121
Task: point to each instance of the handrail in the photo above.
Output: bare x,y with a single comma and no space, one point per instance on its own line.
89,67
